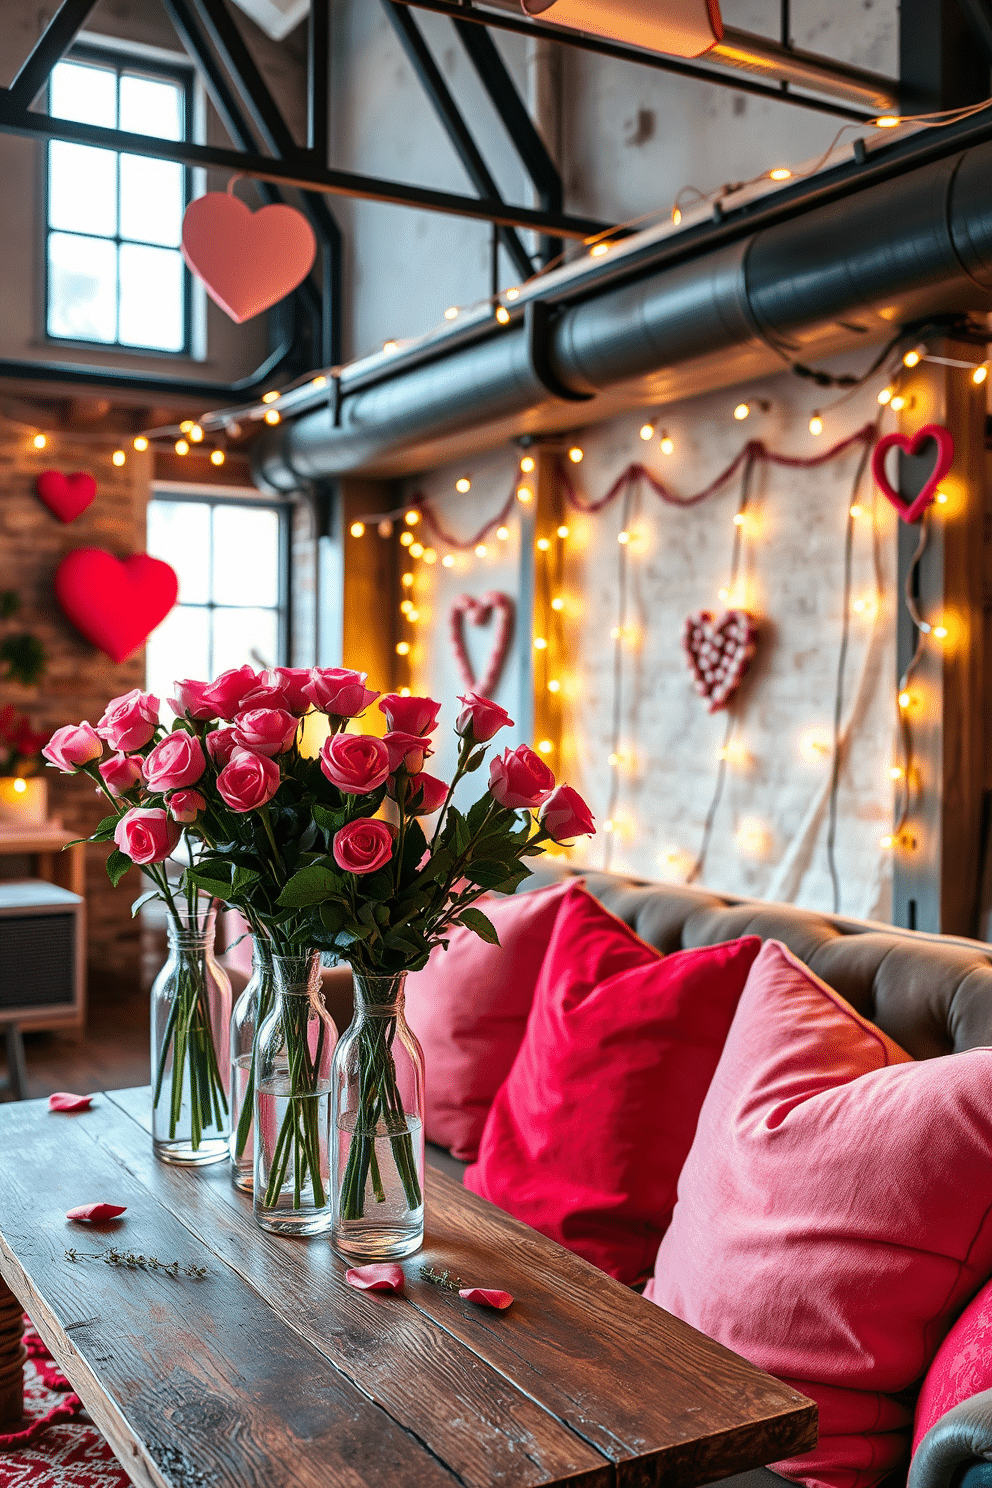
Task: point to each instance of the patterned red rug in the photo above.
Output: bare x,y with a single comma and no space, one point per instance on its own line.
55,1445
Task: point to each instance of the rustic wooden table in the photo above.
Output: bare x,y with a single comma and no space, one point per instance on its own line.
271,1370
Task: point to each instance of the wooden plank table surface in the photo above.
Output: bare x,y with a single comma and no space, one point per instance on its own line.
270,1370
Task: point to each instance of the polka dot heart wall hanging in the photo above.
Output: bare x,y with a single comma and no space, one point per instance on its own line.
719,653
912,511
66,496
115,605
247,260
479,611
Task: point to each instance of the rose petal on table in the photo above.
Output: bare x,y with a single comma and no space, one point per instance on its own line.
96,1211
64,1100
486,1297
379,1278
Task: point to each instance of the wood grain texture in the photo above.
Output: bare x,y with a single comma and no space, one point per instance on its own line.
11,1356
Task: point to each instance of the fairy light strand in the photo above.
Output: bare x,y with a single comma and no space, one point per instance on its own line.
630,497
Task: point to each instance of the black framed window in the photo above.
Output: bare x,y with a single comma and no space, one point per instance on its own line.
231,556
114,272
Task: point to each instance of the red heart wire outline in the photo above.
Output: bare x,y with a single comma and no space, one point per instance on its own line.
912,511
732,640
479,611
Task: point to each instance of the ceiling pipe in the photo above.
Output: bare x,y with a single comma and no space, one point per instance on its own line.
906,249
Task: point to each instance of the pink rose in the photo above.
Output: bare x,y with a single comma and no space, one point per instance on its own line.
189,698
520,779
363,846
177,762
565,815
480,718
410,715
281,687
129,722
355,763
72,746
248,780
425,794
267,731
337,691
120,773
146,834
407,751
221,744
185,805
225,695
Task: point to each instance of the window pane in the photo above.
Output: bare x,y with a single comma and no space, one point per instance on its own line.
241,636
246,555
82,288
151,306
82,189
151,200
178,648
87,94
150,106
179,533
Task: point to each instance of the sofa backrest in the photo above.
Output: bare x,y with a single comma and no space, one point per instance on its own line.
931,993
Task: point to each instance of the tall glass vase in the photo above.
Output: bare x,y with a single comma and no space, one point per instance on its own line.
250,1012
377,1127
190,1022
292,1096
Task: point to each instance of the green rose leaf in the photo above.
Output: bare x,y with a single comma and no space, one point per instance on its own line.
474,919
117,865
310,886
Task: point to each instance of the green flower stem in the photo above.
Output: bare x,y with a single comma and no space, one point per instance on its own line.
378,1096
299,1136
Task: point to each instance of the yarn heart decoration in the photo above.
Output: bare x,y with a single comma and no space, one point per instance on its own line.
247,260
115,605
719,653
479,612
66,496
912,511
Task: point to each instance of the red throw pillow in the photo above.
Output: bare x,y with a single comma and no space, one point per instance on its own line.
834,1212
586,1139
962,1367
469,1006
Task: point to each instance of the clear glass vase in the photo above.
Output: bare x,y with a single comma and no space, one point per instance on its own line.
292,1097
250,1012
377,1127
190,1027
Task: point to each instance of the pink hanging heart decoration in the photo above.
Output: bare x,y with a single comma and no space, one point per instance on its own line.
96,1212
479,612
382,1277
487,1297
115,605
719,653
912,511
247,260
66,496
64,1100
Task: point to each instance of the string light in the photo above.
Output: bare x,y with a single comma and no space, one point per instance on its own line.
563,531
554,685
525,494
416,550
217,457
406,606
20,785
502,315
540,644
141,444
542,545
402,648
914,357
897,402
185,426
576,454
196,433
780,173
558,603
608,824
739,519
941,498
527,464
623,538
614,760
545,746
647,432
447,561
451,313
406,580
481,550
270,397
513,294
118,458
430,556
856,511
390,346
676,216
404,692
905,699
816,424
406,539
502,533
39,441
886,395
667,445
463,485
741,412
896,772
358,529
979,375
273,416
616,634
412,517
413,615
887,121
940,631
598,249
319,381
182,448
385,528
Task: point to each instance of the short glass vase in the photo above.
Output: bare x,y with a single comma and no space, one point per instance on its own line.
293,1057
250,1012
377,1132
190,1026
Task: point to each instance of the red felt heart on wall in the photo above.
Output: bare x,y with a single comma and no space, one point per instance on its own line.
247,260
479,611
912,511
719,653
113,604
66,496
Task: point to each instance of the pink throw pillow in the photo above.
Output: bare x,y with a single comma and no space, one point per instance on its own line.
962,1367
586,1138
469,1006
833,1213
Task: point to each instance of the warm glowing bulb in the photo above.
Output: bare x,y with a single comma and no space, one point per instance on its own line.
897,402
887,841
905,699
451,313
406,538
941,498
185,426
527,464
39,441
940,631
542,545
598,249
430,556
739,519
780,173
554,685
563,531
416,550
481,550
358,529
816,424
667,446
857,511
887,121
406,580
413,615
513,294
885,396
540,644
614,760
463,485
896,772
406,606
412,517
447,561
118,458
911,358
141,444
545,746
741,411
402,648
623,538
319,381
979,375
273,416
723,594
182,448
503,533
271,397
20,785
859,606
647,432
404,692
196,433
217,457
576,454
390,346
608,825
557,603
502,315
525,494
616,633
676,216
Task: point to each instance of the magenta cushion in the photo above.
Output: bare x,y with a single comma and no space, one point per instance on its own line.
962,1367
469,1006
834,1211
586,1138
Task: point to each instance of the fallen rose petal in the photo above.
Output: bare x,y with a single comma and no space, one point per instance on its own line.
96,1211
64,1100
486,1297
381,1278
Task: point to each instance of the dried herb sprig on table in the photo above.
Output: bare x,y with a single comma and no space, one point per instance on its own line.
134,1262
443,1279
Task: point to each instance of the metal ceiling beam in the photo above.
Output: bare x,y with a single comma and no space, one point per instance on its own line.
51,46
